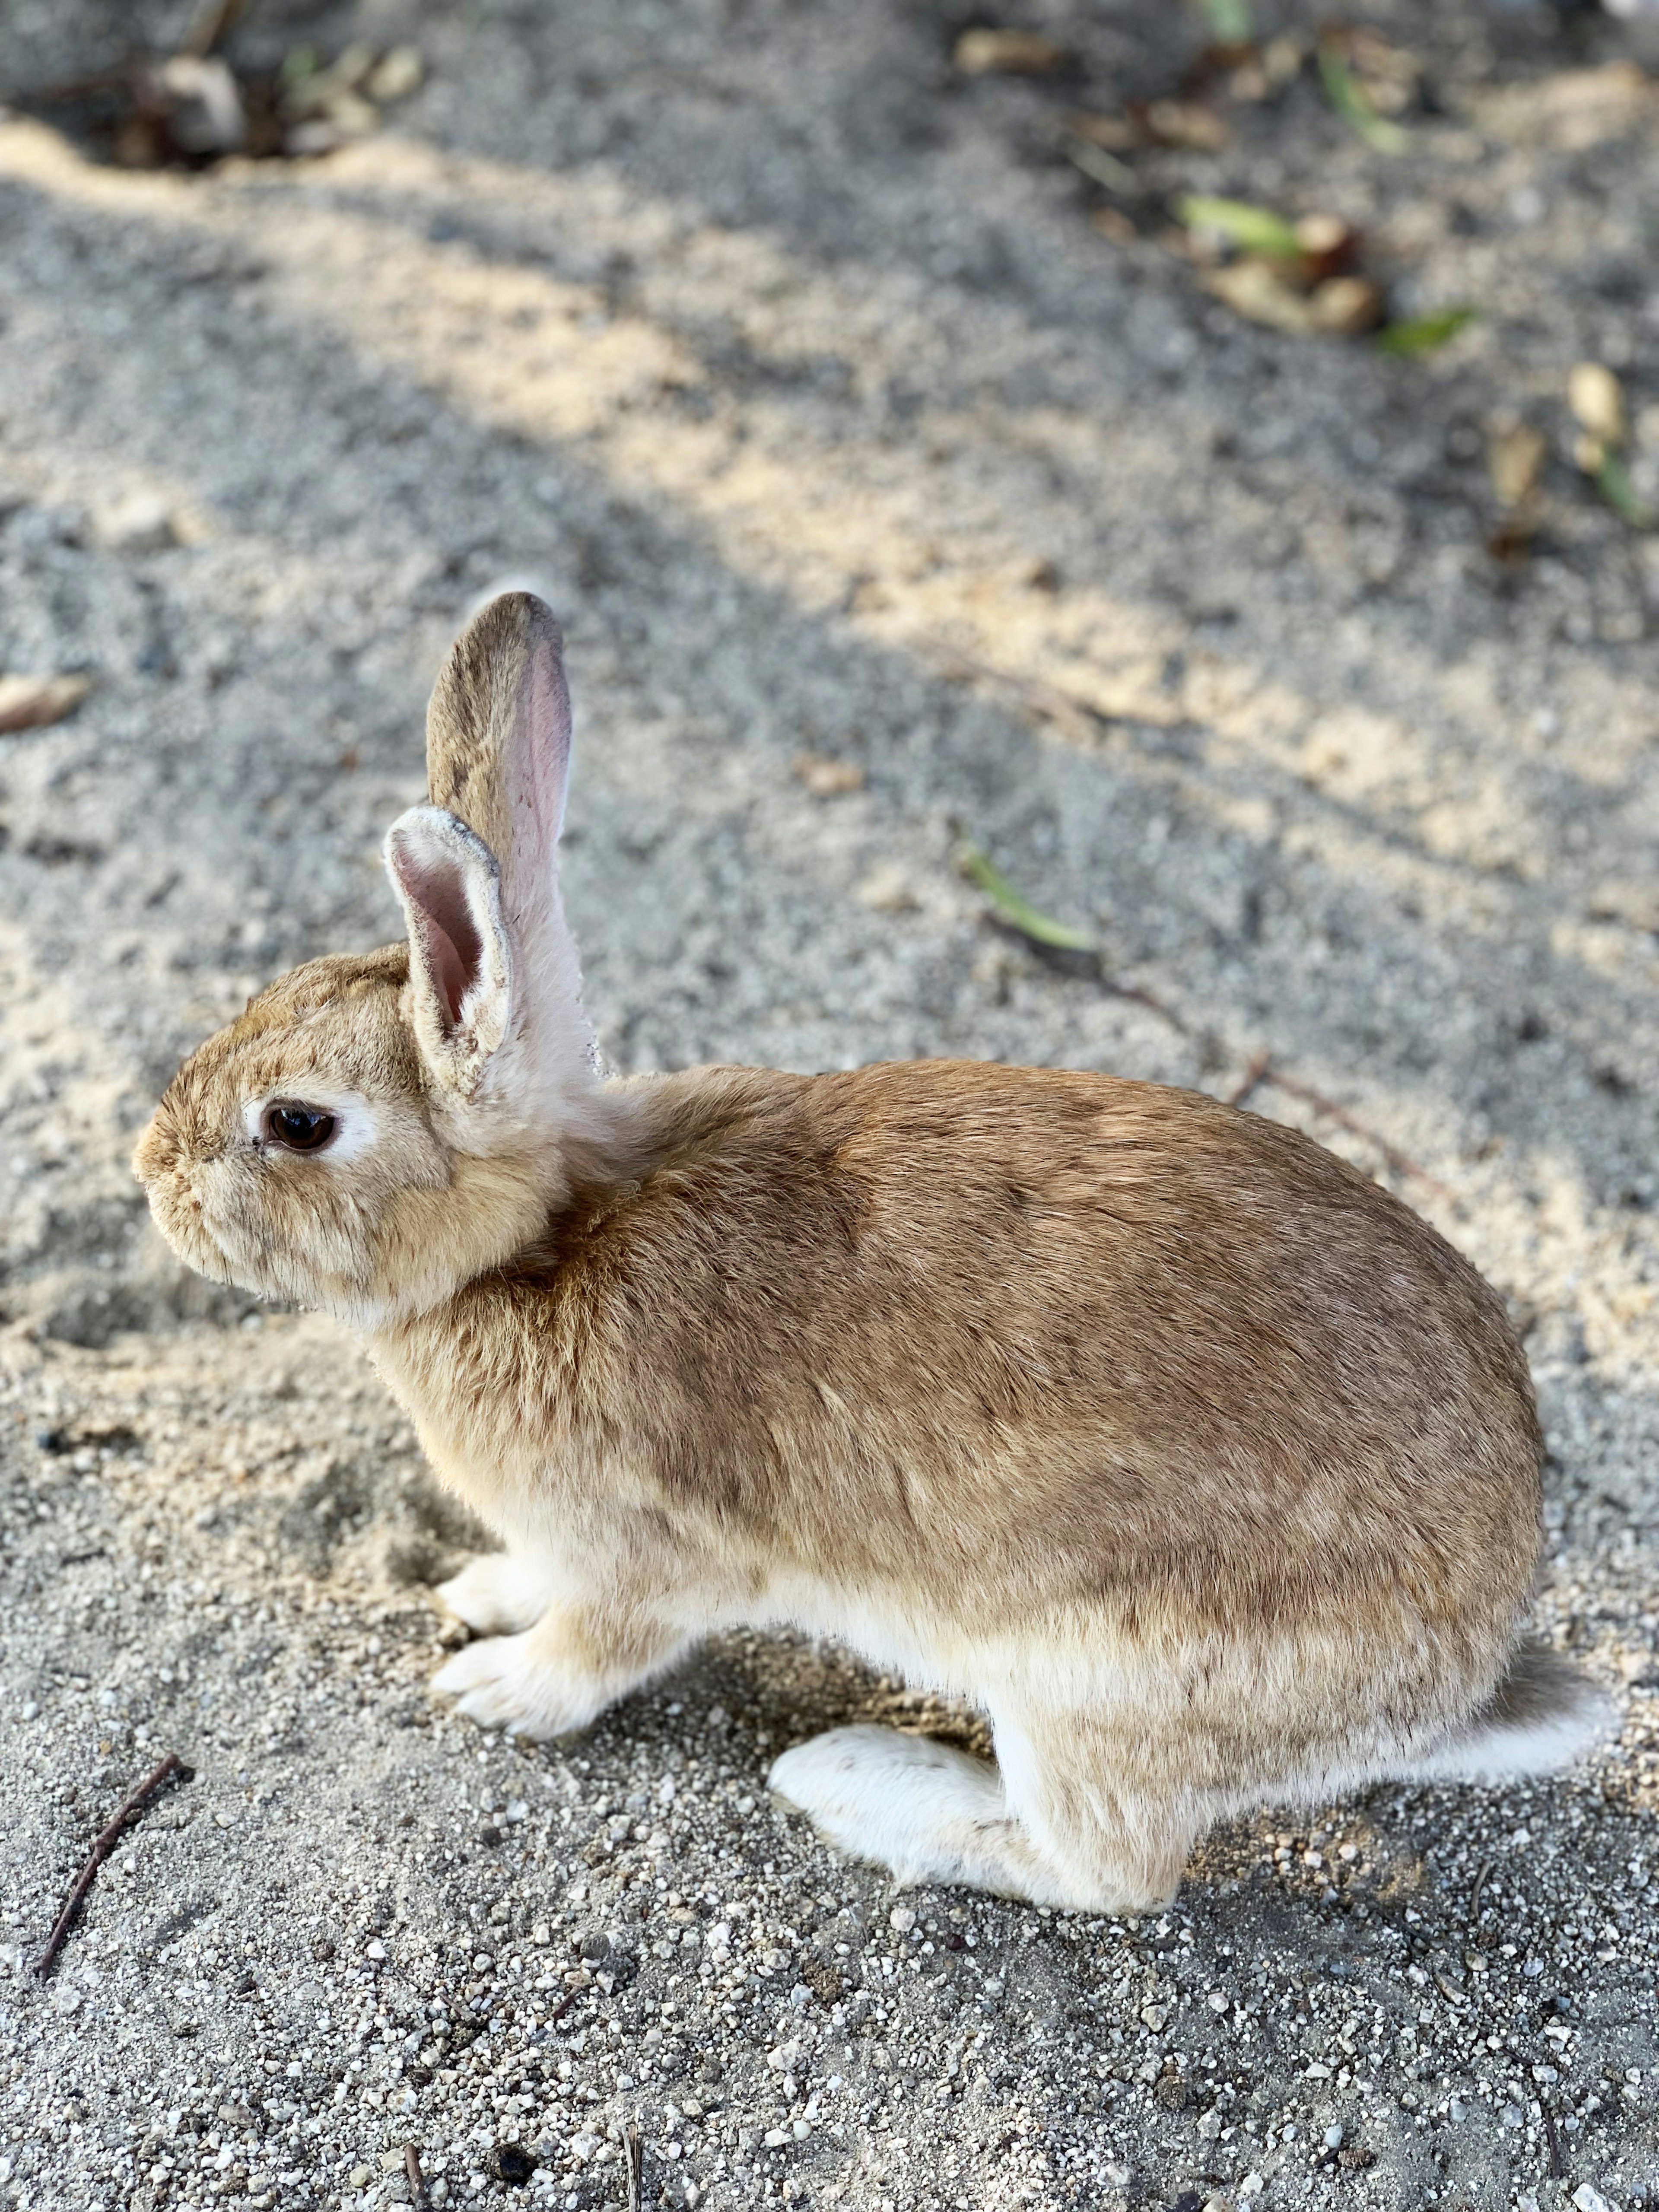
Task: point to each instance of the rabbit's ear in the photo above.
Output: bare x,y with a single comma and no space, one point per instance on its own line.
478,870
459,964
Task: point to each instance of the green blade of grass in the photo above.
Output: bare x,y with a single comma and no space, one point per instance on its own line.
1613,482
1423,333
1343,91
1018,912
1229,22
1252,230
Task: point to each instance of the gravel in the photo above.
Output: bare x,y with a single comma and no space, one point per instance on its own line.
794,369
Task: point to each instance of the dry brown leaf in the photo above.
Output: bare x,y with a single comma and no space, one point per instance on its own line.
887,890
1572,109
1114,134
30,702
395,76
1007,53
1597,400
1185,123
826,777
1113,224
1344,307
1516,454
1251,289
1328,245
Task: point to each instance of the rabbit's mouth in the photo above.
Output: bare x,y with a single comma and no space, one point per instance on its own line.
178,1213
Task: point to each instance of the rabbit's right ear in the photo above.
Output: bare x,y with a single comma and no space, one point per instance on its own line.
497,984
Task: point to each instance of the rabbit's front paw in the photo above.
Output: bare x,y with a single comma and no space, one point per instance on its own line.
498,1593
506,1682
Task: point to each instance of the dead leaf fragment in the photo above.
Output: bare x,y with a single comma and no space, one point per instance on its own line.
1326,244
1251,289
826,777
1516,454
1344,307
31,702
136,522
1007,53
395,76
200,103
1185,123
887,890
1597,400
1116,134
1570,110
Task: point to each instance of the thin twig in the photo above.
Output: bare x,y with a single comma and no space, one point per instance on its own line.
1259,1063
1401,1163
635,2168
1557,2168
566,2001
1474,1894
1045,699
419,2200
1137,997
131,1804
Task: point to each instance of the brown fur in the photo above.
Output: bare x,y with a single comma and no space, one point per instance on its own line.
1205,1465
1047,1343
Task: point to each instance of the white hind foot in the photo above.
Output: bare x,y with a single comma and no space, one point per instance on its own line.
498,1592
931,1814
926,1812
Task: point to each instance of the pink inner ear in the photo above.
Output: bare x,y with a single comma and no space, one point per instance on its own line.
450,974
449,938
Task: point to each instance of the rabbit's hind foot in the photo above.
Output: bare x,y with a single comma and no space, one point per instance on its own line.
930,1814
498,1592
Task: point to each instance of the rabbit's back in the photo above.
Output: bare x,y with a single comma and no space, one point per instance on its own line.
1041,1339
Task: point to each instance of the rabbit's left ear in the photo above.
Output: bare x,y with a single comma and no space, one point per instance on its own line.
497,986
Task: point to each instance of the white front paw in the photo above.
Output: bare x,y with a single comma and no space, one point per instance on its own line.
505,1682
498,1592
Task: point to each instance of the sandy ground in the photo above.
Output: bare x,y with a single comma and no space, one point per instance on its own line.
796,370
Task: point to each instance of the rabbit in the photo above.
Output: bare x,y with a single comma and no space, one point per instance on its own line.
1200,1465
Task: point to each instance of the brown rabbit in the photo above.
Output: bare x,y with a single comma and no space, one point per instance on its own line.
1202,1466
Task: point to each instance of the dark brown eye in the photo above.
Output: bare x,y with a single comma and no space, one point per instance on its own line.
298,1128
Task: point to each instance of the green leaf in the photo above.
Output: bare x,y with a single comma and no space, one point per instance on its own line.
1613,482
298,64
1423,333
1252,230
1347,96
1228,21
1018,912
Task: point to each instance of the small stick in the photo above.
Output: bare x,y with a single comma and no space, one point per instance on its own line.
1136,996
566,2001
1045,699
1474,1894
1401,1163
635,2168
1557,2169
131,1804
1255,1074
418,2198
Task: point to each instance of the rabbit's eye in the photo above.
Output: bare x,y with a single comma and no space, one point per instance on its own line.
298,1128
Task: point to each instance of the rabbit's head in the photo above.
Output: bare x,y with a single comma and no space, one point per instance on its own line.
376,1129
